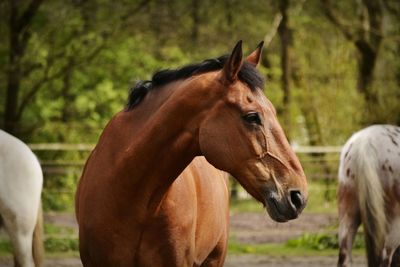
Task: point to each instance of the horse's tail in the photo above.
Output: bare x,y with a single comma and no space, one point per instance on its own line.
37,240
370,198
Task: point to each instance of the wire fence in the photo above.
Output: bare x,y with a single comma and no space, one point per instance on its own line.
319,162
62,166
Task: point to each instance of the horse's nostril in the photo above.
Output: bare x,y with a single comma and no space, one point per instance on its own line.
296,199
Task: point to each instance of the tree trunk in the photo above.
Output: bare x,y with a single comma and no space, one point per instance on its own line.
14,72
366,65
195,21
19,36
285,40
367,39
229,15
313,128
68,97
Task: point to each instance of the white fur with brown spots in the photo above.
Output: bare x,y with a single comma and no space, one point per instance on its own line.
369,193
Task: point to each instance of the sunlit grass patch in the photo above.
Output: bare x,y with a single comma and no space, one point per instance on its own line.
51,230
323,241
65,244
5,247
58,239
322,244
275,249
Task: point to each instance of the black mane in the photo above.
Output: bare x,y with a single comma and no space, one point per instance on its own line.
247,74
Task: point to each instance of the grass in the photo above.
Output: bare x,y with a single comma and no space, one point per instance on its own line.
63,241
52,230
65,244
57,240
5,247
322,199
237,248
306,245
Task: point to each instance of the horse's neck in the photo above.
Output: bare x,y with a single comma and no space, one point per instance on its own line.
166,142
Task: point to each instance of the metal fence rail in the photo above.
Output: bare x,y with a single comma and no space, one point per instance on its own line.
318,161
62,166
89,147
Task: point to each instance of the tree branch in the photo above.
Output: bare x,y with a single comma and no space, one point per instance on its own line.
139,7
23,24
46,78
375,19
277,21
29,68
338,22
393,9
274,29
27,16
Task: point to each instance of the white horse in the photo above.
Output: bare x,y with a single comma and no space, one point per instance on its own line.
21,182
369,193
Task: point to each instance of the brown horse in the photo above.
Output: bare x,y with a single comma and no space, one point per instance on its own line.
369,193
148,195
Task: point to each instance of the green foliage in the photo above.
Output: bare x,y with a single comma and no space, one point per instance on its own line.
81,59
235,247
55,230
307,244
58,239
278,249
53,245
85,58
58,192
5,247
323,241
315,241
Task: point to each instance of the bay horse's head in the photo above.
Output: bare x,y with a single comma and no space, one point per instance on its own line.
242,135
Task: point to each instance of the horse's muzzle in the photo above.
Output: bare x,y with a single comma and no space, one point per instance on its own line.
282,209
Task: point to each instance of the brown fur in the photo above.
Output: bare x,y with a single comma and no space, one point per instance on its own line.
148,198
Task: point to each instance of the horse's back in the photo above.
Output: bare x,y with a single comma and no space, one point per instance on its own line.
385,143
370,159
192,219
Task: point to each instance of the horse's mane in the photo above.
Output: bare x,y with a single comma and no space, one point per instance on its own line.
247,74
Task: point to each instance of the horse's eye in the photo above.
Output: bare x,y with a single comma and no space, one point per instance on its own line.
252,118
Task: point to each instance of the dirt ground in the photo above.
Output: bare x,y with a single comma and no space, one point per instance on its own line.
231,261
268,261
251,228
257,228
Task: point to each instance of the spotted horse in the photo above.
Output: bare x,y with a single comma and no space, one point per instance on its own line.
369,193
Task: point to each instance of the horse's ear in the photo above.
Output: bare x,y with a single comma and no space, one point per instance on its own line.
255,56
234,63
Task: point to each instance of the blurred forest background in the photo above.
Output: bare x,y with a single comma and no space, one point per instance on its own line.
66,67
331,67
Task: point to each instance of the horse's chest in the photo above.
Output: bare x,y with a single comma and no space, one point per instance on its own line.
168,238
